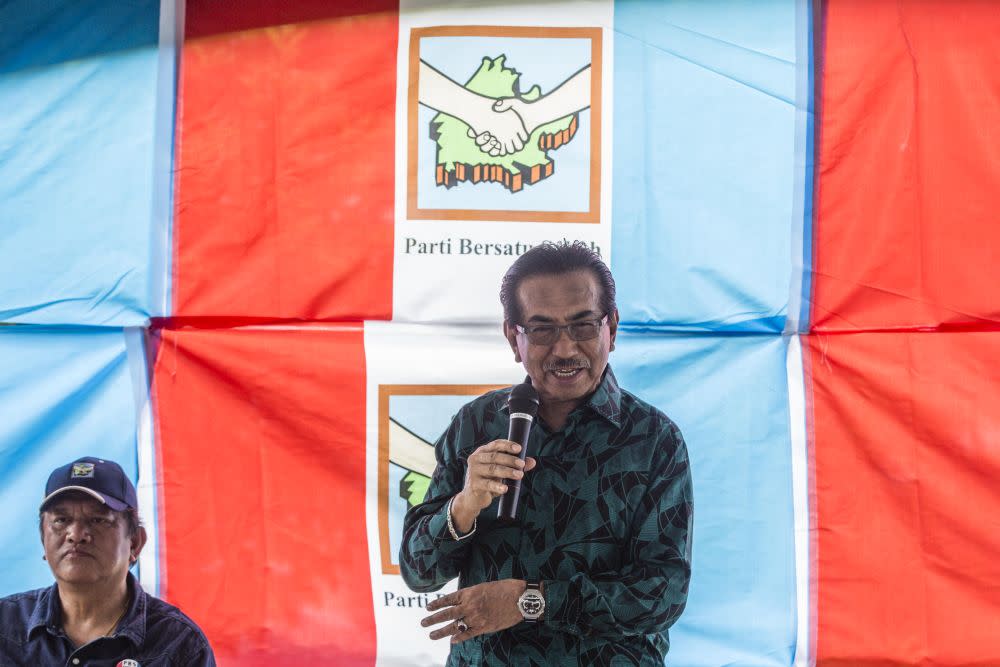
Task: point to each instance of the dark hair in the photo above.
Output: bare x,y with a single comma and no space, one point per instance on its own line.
549,259
129,515
132,521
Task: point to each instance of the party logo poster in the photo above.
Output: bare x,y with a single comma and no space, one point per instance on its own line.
504,123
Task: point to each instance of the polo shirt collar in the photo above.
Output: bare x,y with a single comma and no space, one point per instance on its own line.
133,626
48,613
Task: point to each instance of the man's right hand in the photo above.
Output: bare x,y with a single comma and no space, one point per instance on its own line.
486,475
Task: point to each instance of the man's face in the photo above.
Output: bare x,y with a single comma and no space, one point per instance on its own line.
86,542
566,371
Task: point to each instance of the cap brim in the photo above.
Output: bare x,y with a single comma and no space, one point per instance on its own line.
113,503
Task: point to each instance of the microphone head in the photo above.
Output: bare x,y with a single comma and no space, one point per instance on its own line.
523,398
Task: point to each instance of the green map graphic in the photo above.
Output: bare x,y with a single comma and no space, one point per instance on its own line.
413,488
458,156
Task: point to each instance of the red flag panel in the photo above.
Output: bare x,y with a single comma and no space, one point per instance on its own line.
261,438
285,161
906,466
909,166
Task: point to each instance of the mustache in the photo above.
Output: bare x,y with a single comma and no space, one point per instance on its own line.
567,365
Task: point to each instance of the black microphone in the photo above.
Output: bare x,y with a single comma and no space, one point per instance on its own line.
523,406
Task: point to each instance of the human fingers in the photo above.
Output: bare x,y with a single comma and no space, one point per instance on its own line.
486,469
529,463
450,616
496,465
488,607
499,445
449,600
458,626
496,459
464,631
486,487
484,139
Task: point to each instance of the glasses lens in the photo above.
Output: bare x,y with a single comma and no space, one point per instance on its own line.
542,335
584,330
547,334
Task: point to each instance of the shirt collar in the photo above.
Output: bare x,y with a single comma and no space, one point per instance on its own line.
133,626
48,613
605,401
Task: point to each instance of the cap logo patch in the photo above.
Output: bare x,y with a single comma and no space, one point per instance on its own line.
82,470
128,662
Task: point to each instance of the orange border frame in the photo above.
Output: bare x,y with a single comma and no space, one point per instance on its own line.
593,215
385,391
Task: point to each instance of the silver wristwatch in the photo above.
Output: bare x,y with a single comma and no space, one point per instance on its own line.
531,603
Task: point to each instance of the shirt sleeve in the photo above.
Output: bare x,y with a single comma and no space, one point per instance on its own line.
429,556
195,651
649,594
199,657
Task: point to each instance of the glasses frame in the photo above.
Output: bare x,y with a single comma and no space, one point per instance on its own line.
559,328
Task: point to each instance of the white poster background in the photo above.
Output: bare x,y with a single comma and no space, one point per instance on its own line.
456,287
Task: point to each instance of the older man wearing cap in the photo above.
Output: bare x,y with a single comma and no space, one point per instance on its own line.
96,613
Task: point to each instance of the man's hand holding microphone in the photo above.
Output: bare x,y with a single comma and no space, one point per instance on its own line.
493,470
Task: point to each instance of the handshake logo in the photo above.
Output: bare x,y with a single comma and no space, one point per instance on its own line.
475,122
488,131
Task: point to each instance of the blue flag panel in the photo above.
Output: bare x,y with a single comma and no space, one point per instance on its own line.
64,393
78,89
729,395
705,162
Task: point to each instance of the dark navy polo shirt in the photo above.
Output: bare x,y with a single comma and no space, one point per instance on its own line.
152,633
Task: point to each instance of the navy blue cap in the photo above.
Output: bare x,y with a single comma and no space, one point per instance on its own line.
104,480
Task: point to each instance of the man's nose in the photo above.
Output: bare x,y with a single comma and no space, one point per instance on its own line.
78,531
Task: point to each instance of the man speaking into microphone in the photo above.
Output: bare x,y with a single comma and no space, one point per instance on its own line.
589,563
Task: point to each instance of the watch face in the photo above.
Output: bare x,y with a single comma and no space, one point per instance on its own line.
532,604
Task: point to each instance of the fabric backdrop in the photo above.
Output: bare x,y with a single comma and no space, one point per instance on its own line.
246,254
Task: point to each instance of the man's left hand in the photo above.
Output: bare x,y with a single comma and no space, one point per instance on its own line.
487,607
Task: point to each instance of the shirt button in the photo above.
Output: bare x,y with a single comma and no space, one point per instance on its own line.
76,661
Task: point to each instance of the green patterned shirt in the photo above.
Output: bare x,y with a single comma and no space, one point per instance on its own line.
605,522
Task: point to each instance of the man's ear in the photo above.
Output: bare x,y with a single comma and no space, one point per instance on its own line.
137,542
510,333
613,328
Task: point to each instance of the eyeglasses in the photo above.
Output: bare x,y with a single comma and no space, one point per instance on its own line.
548,334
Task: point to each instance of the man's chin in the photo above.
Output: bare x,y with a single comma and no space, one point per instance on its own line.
77,571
